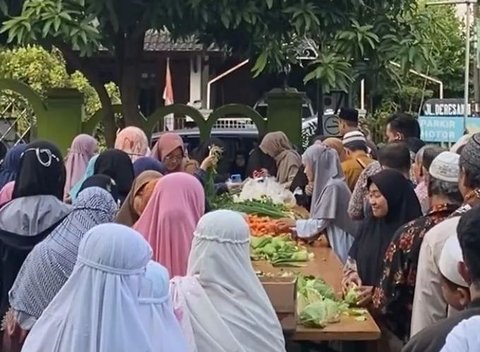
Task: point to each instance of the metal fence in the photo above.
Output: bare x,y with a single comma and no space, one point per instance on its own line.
16,117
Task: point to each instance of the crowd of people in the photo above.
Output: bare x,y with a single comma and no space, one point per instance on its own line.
119,250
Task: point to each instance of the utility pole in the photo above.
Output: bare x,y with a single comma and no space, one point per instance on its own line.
476,60
468,28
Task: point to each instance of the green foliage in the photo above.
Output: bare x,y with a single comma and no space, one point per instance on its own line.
355,38
42,70
270,30
54,20
394,89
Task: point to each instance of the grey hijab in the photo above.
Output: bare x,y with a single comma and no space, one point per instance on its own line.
330,192
51,262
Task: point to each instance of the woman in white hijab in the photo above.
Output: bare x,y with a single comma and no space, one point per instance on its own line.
221,304
97,308
157,311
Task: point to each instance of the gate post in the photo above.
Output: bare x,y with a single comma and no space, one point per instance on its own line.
63,120
284,113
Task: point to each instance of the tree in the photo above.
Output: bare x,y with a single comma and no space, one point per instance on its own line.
349,34
42,70
446,48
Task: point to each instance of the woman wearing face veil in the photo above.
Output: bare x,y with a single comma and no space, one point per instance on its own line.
50,263
37,207
222,303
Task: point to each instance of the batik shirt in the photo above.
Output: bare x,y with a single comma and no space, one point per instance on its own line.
395,292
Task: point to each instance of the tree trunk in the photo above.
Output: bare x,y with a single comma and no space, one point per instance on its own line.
129,51
110,127
129,92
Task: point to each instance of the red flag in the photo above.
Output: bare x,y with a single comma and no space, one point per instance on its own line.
168,90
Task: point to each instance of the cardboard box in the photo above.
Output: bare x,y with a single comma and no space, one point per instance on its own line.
282,292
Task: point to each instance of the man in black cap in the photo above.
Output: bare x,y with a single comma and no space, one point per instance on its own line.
348,122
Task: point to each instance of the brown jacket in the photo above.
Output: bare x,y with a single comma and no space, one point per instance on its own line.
353,167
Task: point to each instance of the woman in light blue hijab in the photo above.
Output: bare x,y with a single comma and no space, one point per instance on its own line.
97,309
156,310
88,172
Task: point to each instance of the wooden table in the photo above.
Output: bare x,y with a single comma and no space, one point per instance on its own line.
327,266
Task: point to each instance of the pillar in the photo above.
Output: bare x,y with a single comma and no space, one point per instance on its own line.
284,113
63,120
195,79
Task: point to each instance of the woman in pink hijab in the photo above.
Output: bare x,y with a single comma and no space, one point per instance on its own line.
170,218
6,193
170,150
82,149
133,141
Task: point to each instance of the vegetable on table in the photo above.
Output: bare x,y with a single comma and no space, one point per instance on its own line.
352,296
318,306
263,207
279,251
262,225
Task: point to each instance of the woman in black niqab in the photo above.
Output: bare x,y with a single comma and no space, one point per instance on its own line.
117,165
368,250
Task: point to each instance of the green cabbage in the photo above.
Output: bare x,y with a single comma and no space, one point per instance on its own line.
351,297
320,313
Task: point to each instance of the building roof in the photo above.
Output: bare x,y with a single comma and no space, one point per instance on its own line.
162,41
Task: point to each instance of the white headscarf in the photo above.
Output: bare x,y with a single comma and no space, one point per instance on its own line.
223,302
156,311
97,309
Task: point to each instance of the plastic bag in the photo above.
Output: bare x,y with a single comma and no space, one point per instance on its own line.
258,189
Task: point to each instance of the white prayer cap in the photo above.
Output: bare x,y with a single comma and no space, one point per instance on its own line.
445,167
449,258
463,140
354,137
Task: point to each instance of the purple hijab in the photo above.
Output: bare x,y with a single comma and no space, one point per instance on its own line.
82,149
148,164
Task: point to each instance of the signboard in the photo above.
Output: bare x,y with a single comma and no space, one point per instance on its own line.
446,129
445,107
331,125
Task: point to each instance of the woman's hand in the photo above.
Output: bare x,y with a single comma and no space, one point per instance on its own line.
234,186
285,224
208,162
365,294
351,280
67,199
309,189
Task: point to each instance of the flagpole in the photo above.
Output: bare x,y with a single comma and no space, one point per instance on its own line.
169,120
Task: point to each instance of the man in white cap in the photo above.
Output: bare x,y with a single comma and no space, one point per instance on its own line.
454,286
355,145
460,269
395,292
423,160
429,305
